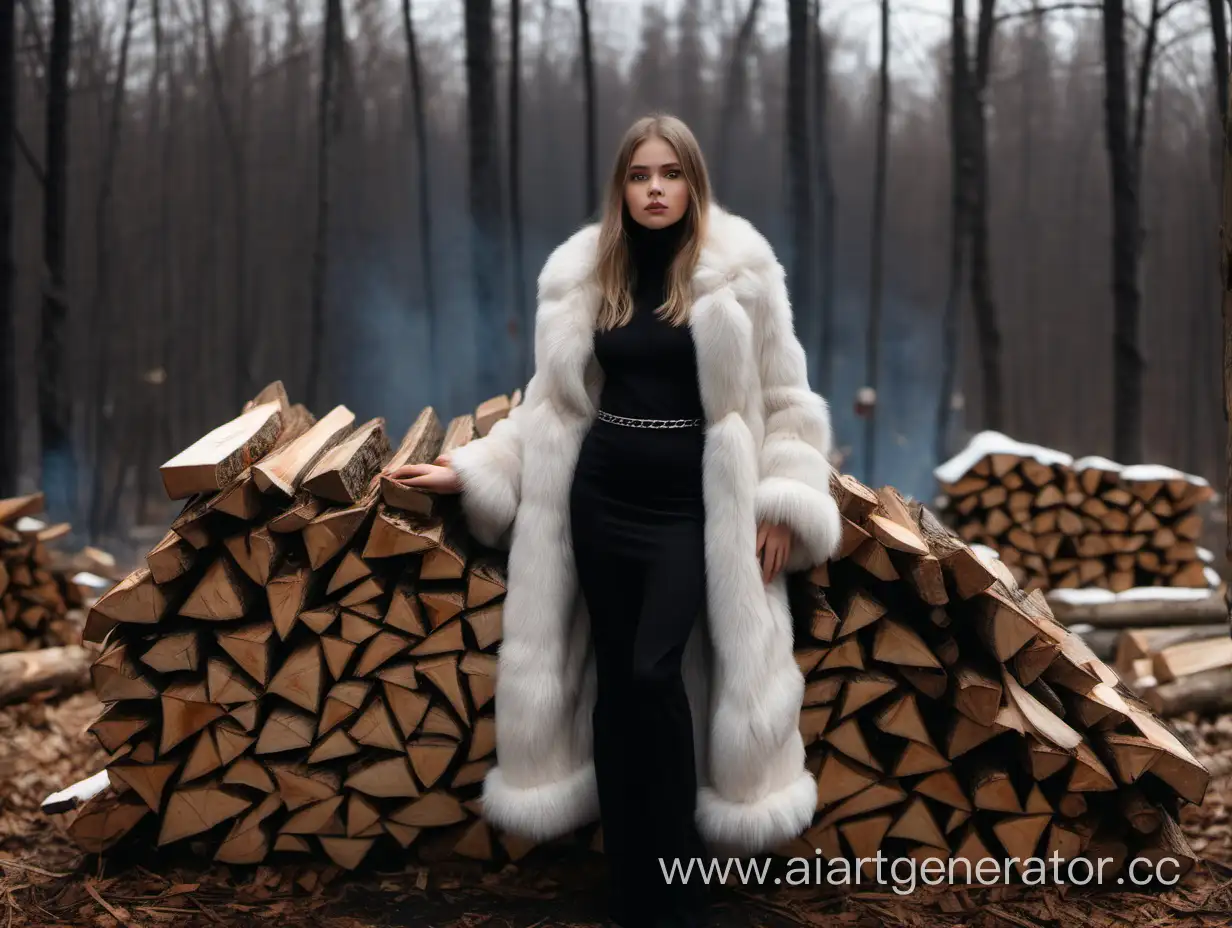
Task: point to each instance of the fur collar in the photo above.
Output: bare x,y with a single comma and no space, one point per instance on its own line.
732,245
735,259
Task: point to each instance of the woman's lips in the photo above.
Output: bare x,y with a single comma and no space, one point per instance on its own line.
656,207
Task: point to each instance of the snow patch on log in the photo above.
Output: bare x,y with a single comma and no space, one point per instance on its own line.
989,442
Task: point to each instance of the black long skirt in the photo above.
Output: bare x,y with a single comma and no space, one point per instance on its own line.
638,519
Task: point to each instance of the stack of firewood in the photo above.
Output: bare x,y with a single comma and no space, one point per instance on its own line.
35,592
1178,668
950,716
1064,524
306,665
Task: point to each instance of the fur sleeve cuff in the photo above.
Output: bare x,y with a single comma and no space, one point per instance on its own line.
808,511
490,477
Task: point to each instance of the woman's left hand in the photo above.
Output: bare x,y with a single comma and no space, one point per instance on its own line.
773,549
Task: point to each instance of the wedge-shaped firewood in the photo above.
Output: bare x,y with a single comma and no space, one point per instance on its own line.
248,842
1089,774
1176,766
485,625
196,809
846,653
443,672
337,653
300,785
249,772
862,610
1043,722
258,552
943,786
300,678
331,531
448,560
1020,835
136,599
170,558
976,695
848,738
1002,624
186,709
379,649
822,691
375,727
223,593
249,647
916,823
289,591
864,837
106,818
992,790
284,470
384,778
902,717
447,637
344,472
855,500
864,688
176,651
1045,759
285,730
202,759
117,726
298,514
226,685
334,745
218,457
840,778
432,810
147,780
896,643
485,581
875,797
430,757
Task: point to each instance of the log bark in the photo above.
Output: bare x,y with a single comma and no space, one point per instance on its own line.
48,671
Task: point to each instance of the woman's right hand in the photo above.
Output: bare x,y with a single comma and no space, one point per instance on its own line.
437,477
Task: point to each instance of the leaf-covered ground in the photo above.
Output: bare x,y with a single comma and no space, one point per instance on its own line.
45,881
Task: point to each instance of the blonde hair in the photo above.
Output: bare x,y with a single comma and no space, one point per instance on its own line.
612,267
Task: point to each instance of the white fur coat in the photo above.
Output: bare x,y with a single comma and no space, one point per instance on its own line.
766,444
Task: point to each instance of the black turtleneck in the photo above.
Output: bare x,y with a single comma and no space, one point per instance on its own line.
649,365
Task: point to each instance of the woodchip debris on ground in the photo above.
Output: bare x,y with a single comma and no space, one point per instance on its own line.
45,881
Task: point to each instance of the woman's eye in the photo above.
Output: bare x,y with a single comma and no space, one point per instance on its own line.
673,174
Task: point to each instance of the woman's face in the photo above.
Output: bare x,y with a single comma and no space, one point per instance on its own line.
656,192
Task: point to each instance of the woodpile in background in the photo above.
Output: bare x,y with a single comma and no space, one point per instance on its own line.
36,589
306,666
1064,524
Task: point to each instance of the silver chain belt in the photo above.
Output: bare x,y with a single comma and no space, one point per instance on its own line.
649,423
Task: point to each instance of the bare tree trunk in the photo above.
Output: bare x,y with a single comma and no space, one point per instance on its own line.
10,433
327,118
522,313
735,96
828,208
878,241
588,82
988,328
1225,241
485,202
101,314
960,173
425,188
800,190
233,138
1219,50
1127,353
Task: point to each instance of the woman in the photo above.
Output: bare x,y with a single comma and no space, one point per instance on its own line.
666,466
